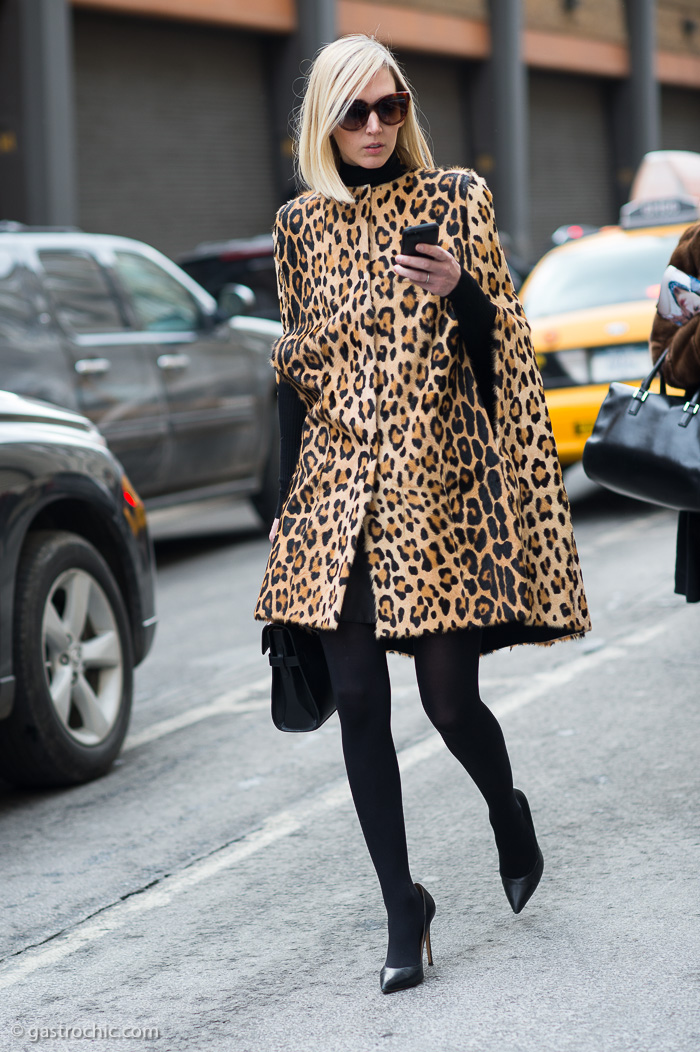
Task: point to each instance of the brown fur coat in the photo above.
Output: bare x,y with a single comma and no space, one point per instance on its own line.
682,365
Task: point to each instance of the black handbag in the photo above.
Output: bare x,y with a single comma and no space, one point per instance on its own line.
647,445
302,698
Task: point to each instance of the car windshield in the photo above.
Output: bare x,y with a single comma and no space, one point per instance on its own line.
617,269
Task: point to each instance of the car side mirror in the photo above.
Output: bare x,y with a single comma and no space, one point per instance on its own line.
234,299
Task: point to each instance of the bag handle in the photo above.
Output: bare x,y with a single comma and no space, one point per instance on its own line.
646,384
690,409
281,656
642,393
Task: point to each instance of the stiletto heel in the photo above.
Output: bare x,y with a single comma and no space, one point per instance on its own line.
393,979
519,890
428,947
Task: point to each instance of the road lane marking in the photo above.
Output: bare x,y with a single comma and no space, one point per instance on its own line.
245,698
544,682
113,917
231,701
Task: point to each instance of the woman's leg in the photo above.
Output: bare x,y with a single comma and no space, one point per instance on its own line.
358,669
447,669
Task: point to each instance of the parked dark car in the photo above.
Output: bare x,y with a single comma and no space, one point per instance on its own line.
77,597
182,391
246,261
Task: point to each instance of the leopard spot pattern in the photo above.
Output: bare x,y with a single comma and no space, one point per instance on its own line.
465,518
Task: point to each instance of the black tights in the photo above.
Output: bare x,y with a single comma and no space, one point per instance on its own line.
447,670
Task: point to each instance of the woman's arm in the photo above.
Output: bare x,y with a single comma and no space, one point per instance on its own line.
292,414
476,315
682,365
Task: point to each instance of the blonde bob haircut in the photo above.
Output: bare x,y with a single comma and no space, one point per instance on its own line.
339,73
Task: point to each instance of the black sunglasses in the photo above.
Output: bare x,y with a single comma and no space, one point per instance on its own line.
390,109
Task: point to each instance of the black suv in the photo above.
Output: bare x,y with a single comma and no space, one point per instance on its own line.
76,601
181,389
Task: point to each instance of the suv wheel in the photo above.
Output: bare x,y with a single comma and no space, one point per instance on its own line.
73,665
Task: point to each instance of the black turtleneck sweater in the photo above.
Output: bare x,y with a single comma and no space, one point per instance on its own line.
475,314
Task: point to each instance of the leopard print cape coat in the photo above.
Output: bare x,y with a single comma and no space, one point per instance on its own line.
466,522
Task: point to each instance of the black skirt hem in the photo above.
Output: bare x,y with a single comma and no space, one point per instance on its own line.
359,608
358,602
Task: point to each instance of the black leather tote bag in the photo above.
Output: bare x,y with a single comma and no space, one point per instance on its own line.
302,698
647,445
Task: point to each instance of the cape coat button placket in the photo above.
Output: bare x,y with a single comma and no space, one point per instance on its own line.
367,224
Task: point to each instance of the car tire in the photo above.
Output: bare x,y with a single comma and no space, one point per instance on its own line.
265,500
73,664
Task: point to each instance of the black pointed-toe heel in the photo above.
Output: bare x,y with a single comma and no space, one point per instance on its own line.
393,979
519,890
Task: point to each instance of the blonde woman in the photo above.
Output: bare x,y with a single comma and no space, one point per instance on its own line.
422,507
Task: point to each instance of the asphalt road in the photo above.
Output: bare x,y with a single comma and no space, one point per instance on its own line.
215,886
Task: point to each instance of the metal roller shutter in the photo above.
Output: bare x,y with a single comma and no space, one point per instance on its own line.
438,85
173,131
680,110
570,154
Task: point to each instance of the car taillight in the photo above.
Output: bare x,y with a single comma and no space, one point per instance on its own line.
130,495
135,511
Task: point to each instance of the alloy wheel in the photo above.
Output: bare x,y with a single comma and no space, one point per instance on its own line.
83,658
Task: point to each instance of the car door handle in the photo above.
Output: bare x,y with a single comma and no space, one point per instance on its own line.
93,366
173,361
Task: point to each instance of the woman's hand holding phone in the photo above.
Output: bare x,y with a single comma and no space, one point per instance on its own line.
432,268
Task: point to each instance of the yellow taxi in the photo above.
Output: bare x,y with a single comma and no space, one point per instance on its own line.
591,302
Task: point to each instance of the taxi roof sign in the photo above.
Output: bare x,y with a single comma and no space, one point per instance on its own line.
667,173
654,212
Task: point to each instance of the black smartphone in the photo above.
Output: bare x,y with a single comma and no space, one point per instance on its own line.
423,234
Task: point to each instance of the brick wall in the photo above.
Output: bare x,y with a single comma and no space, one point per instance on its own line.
466,8
594,19
599,19
672,32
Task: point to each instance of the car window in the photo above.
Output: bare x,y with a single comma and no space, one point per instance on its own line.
83,299
160,302
599,272
17,313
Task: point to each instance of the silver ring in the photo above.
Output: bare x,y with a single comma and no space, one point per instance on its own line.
427,280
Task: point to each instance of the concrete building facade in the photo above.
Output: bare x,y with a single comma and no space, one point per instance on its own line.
168,119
